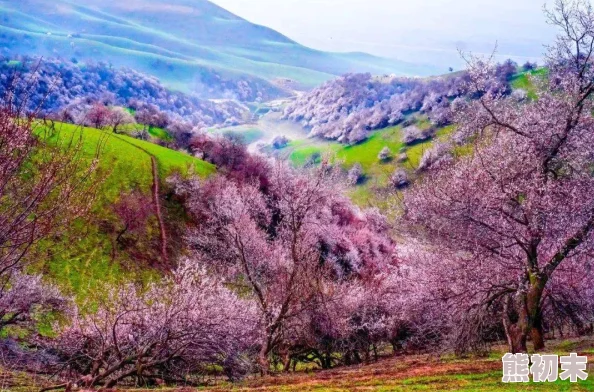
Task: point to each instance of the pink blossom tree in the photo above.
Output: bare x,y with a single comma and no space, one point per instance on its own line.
355,174
283,242
133,210
520,206
24,298
98,116
119,117
168,331
385,154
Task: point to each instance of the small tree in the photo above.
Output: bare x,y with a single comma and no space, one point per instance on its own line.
133,209
528,66
151,116
120,117
399,179
24,298
385,154
280,141
432,157
413,133
355,174
98,116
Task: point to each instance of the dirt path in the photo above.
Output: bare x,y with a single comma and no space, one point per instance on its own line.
156,199
157,204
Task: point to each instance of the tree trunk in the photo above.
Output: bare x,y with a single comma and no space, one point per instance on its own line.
327,360
517,339
534,309
286,362
537,337
528,308
515,332
263,360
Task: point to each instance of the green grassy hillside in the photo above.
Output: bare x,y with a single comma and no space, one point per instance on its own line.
377,173
302,151
527,81
83,257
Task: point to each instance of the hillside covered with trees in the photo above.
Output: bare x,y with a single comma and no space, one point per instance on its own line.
61,84
189,45
347,109
127,264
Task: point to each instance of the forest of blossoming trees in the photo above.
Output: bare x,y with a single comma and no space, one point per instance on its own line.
66,86
279,267
348,108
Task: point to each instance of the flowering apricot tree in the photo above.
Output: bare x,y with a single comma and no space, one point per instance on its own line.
283,243
168,331
521,203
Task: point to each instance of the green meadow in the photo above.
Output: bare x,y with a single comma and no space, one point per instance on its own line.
377,173
82,259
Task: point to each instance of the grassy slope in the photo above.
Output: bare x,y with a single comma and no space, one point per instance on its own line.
526,81
81,259
376,172
159,133
170,160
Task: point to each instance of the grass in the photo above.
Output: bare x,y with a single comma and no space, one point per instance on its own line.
170,161
80,260
366,152
302,151
156,134
159,133
377,173
525,81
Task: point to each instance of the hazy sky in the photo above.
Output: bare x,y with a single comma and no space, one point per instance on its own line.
413,30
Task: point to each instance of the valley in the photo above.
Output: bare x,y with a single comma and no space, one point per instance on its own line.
190,201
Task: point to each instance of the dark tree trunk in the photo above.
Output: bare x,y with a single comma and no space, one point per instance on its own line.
348,359
528,309
534,310
286,362
537,336
517,339
263,360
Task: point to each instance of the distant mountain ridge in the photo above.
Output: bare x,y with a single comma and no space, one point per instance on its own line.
188,44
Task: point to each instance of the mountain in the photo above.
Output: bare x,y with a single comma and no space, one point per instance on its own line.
188,44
